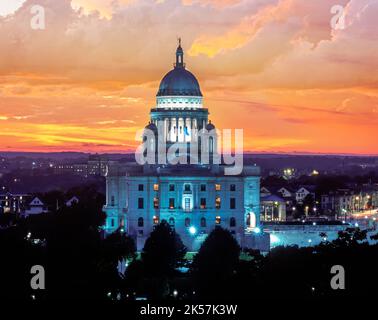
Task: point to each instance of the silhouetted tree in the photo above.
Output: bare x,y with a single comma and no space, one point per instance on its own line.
215,264
163,251
79,263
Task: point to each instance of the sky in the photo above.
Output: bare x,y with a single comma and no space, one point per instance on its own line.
278,69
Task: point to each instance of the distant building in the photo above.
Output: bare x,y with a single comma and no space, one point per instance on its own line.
192,198
273,208
343,202
13,202
286,193
97,165
36,206
74,200
338,203
303,192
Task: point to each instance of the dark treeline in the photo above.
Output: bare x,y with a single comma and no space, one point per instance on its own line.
81,264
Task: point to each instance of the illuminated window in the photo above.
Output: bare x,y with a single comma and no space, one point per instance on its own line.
218,220
156,187
140,222
156,203
187,222
156,220
203,203
217,202
171,203
187,204
218,187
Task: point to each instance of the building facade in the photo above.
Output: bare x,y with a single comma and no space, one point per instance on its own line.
193,197
14,203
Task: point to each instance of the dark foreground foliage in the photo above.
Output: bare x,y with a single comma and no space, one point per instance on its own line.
81,264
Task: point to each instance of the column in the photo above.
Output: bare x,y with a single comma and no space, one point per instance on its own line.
177,129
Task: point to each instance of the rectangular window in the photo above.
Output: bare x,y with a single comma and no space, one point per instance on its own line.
171,203
232,203
203,203
112,222
217,202
156,187
156,203
171,187
112,201
187,204
232,187
140,203
187,187
140,187
203,187
218,187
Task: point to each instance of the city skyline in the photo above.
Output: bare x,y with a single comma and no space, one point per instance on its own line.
87,82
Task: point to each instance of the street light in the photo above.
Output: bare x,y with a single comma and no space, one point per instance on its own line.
257,230
192,230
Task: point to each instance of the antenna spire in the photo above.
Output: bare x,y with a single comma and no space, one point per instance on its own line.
179,55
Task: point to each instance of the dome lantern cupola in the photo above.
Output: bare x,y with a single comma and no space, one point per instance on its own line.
179,56
179,88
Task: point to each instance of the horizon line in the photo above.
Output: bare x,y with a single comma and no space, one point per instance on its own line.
288,153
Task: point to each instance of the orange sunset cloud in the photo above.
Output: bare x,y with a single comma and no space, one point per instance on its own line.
275,68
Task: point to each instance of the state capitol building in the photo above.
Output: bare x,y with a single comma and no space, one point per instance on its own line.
192,198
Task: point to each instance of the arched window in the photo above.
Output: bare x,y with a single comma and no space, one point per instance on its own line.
251,220
211,145
232,222
203,222
187,222
140,222
172,222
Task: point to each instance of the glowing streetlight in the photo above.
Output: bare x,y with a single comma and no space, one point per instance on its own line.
192,230
257,230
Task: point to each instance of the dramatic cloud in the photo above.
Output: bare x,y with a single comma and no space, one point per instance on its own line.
88,80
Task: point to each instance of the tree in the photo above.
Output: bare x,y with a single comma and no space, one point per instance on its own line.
79,263
215,264
163,251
